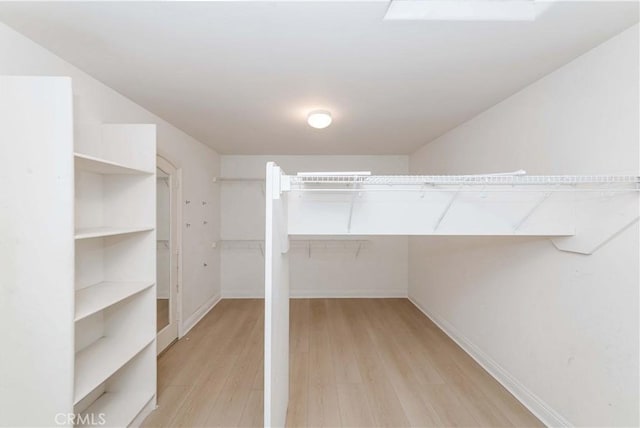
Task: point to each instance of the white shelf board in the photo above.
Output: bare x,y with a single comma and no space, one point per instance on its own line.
102,166
97,297
100,232
100,360
119,408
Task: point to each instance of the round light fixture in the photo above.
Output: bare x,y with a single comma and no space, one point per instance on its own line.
319,119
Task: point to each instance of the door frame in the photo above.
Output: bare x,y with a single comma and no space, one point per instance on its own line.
175,277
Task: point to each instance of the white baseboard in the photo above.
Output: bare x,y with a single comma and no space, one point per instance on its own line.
203,310
322,294
531,401
347,294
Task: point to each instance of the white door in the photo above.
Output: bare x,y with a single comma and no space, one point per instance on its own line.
168,252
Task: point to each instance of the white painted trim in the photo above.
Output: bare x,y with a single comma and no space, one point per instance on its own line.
179,214
348,294
198,315
531,401
323,294
166,335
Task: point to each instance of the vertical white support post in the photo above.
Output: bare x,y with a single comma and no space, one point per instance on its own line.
276,321
36,251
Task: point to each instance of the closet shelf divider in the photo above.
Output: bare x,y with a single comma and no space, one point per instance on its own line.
102,232
94,298
102,166
101,359
120,408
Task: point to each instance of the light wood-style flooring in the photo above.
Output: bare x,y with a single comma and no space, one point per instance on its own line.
354,363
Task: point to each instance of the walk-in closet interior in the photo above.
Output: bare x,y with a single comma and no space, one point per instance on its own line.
320,214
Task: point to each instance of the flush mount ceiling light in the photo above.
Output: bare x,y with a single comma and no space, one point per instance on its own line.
319,119
462,10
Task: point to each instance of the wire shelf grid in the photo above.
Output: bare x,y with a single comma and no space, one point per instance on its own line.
464,180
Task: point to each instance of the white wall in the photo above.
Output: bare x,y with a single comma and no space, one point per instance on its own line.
95,103
379,270
562,327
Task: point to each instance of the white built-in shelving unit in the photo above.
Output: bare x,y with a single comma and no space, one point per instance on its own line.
78,294
115,293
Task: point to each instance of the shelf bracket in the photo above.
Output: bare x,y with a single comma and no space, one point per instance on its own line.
598,221
353,201
533,209
446,209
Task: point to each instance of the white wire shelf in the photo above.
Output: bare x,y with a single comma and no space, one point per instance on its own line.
420,180
503,204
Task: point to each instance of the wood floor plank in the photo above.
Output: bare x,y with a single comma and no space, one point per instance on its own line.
320,357
171,398
422,365
184,364
298,390
232,400
381,397
322,408
354,410
300,321
353,363
344,360
486,399
253,415
197,405
446,404
418,412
